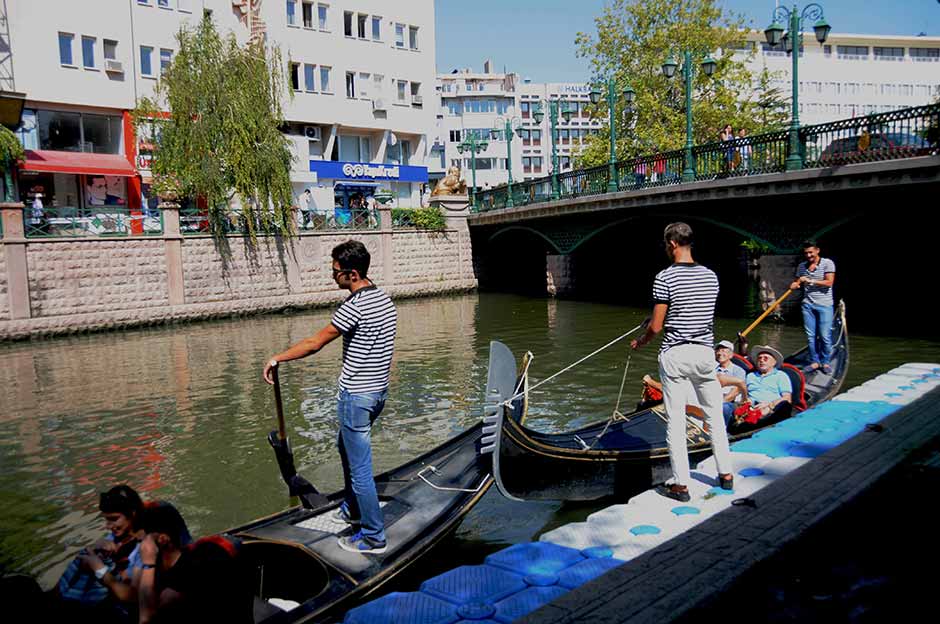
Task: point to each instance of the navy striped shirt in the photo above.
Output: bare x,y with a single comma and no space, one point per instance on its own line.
820,295
690,290
367,321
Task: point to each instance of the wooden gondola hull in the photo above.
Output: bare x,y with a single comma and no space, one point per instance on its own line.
293,555
618,459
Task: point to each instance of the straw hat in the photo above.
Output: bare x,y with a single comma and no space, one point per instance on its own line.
758,349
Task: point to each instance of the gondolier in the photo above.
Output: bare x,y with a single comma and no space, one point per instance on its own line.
366,321
684,296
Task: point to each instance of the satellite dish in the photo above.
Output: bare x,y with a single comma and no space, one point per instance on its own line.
392,139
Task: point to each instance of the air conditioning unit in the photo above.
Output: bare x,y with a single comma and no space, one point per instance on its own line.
416,99
378,104
312,132
111,65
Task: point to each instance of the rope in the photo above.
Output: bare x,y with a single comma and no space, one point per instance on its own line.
508,402
615,415
448,489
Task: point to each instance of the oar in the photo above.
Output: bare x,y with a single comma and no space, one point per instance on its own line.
310,497
742,336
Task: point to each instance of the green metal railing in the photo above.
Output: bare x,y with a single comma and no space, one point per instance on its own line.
54,222
195,221
885,136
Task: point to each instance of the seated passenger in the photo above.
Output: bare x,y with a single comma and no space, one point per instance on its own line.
103,575
201,582
768,389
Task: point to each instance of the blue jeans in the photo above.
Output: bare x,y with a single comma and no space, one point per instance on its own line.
356,413
817,321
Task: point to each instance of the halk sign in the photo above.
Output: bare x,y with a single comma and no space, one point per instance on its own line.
351,170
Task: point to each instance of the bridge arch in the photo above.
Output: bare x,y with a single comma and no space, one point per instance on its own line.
511,228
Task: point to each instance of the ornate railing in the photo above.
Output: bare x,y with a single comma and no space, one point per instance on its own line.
50,222
195,221
884,136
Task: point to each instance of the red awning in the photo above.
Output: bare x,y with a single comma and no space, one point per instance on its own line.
78,162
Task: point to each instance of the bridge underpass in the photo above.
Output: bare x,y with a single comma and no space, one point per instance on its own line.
876,220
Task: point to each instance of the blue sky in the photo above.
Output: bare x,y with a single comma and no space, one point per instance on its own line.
536,37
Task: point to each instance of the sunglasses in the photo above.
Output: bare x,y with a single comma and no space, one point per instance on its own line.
340,272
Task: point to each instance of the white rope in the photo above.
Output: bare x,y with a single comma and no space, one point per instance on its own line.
615,415
448,489
508,402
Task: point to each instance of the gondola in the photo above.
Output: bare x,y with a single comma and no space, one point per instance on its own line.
621,457
298,572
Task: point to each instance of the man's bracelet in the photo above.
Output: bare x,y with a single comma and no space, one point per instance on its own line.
272,363
148,566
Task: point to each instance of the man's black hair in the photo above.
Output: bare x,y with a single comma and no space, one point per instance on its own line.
121,499
810,243
678,232
164,518
352,255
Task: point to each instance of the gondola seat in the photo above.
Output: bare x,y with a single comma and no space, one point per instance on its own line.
743,362
798,381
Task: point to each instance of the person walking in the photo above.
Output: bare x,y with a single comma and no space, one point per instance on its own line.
684,296
816,276
366,320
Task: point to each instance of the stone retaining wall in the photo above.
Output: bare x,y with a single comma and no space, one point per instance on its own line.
93,284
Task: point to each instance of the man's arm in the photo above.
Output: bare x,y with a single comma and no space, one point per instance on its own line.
305,347
654,327
738,385
147,595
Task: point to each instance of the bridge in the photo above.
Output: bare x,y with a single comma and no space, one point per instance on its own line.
855,171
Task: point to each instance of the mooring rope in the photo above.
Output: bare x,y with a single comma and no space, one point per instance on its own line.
508,402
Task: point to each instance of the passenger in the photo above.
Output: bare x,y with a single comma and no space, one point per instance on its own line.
768,389
202,582
103,575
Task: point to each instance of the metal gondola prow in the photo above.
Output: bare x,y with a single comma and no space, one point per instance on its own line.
500,387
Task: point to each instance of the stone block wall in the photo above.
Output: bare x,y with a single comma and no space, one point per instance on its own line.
4,300
421,257
93,276
240,272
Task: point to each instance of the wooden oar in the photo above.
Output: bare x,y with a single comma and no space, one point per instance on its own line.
281,427
742,336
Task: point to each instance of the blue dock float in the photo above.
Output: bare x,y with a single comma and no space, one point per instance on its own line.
518,580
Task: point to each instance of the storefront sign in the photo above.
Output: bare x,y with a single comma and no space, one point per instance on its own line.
575,89
334,170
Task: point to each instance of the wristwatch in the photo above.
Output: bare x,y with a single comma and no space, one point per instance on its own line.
147,566
100,572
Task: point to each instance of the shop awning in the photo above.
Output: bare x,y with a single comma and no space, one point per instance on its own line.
77,162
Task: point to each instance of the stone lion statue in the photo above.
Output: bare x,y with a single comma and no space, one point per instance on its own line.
451,184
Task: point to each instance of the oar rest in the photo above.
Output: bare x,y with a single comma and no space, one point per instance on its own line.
798,381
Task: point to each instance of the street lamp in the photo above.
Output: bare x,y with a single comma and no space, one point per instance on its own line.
554,105
669,70
506,127
628,94
473,145
791,42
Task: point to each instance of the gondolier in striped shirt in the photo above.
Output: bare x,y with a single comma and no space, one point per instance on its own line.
366,321
684,296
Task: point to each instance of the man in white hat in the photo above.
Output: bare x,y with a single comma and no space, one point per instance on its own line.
768,387
725,367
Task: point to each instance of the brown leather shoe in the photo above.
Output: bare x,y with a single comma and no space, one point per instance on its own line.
675,492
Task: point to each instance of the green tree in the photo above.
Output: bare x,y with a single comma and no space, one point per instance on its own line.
221,138
633,39
11,152
772,106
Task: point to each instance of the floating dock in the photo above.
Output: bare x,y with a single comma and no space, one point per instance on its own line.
639,561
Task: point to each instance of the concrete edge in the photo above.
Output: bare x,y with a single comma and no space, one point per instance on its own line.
687,571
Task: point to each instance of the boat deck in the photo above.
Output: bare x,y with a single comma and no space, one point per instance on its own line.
518,580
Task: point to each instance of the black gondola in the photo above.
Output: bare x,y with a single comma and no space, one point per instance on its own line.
294,556
620,457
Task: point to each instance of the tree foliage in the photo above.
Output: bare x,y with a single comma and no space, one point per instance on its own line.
772,106
220,139
11,150
633,39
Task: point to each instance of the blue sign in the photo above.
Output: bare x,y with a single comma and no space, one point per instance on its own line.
338,170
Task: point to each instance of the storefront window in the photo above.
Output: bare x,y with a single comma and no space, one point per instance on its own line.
60,131
102,134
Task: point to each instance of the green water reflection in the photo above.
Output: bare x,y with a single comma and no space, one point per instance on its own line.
181,412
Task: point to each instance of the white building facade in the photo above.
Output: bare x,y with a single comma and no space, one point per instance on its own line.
359,71
853,75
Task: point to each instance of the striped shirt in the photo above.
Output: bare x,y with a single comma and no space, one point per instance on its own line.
690,290
367,321
820,295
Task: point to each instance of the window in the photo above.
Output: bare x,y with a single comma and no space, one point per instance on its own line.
60,131
537,164
110,49
166,57
454,108
416,93
413,37
101,134
354,148
376,28
364,83
361,25
827,50
405,152
295,76
325,86
348,23
925,54
185,6
308,14
65,48
399,35
351,85
526,136
524,107
145,2
402,86
163,4
88,52
309,83
146,61
852,52
889,54
455,136
502,106
564,135
321,15
291,12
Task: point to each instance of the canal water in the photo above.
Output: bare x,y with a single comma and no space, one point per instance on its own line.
181,413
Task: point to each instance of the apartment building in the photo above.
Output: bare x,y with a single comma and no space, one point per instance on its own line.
851,74
358,70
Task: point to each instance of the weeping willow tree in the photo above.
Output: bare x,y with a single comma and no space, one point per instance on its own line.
11,152
215,116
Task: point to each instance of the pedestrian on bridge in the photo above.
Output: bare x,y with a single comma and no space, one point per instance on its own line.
684,296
